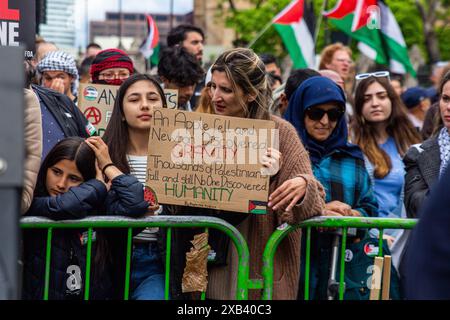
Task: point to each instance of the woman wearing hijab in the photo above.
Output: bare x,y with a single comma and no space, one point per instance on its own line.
317,112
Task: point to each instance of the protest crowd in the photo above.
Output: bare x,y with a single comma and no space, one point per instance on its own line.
350,145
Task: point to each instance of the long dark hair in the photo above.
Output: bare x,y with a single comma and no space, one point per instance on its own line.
116,135
398,127
74,149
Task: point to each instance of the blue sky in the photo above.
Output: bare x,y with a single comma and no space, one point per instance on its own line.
97,8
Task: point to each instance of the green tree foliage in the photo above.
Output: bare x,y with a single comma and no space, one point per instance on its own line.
443,30
247,24
410,22
443,33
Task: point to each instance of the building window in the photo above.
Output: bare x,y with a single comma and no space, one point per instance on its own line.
130,17
161,17
112,16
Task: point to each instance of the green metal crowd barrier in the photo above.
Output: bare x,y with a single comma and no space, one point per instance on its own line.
244,283
343,223
168,222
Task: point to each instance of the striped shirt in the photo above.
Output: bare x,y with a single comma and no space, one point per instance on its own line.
138,168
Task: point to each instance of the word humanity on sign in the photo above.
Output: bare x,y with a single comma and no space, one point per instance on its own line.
209,161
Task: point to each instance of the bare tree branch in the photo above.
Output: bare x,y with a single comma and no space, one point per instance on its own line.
259,3
428,13
421,9
232,5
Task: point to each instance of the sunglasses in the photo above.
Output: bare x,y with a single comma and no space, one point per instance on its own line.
316,114
378,74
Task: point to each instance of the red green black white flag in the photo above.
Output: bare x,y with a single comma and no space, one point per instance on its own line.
373,24
295,24
150,47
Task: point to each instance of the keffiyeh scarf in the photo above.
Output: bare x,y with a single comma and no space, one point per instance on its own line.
444,148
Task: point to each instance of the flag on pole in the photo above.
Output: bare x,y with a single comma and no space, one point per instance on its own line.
150,46
295,24
372,23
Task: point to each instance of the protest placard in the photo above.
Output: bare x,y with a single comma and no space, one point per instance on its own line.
18,25
96,102
209,161
171,98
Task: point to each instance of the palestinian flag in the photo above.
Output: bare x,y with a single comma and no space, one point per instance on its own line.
150,47
372,23
257,207
295,24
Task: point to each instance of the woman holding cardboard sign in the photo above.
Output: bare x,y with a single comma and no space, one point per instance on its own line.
239,88
127,137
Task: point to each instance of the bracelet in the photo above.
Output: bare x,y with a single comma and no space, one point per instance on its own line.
106,167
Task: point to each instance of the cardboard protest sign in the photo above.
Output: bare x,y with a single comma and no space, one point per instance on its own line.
18,25
96,101
171,98
209,161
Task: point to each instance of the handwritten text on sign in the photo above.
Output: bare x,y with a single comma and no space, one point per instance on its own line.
209,161
96,102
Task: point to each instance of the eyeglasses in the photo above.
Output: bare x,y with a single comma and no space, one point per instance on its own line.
378,74
342,60
122,75
317,114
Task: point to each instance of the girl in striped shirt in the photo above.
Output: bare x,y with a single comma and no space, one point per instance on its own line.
127,137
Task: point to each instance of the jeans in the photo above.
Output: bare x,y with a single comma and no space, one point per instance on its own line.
147,275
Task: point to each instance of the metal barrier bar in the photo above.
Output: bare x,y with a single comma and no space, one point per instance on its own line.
128,264
323,222
307,262
168,255
269,251
153,221
380,242
342,269
88,265
203,296
48,255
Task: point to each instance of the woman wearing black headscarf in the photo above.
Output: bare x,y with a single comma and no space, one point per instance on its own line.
317,112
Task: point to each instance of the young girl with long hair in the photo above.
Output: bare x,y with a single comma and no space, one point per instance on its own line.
383,131
127,137
71,185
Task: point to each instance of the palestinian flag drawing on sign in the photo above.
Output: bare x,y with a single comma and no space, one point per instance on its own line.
372,23
295,24
257,207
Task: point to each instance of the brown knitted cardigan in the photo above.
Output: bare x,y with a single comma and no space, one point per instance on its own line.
258,228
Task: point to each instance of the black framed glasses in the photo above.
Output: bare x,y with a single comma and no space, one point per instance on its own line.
378,74
317,114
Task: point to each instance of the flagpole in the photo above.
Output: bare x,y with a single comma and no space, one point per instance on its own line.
259,34
319,21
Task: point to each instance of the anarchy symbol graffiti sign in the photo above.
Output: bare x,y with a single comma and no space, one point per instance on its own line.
93,115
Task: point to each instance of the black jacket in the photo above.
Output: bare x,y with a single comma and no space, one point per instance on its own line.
422,165
126,198
69,117
428,264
